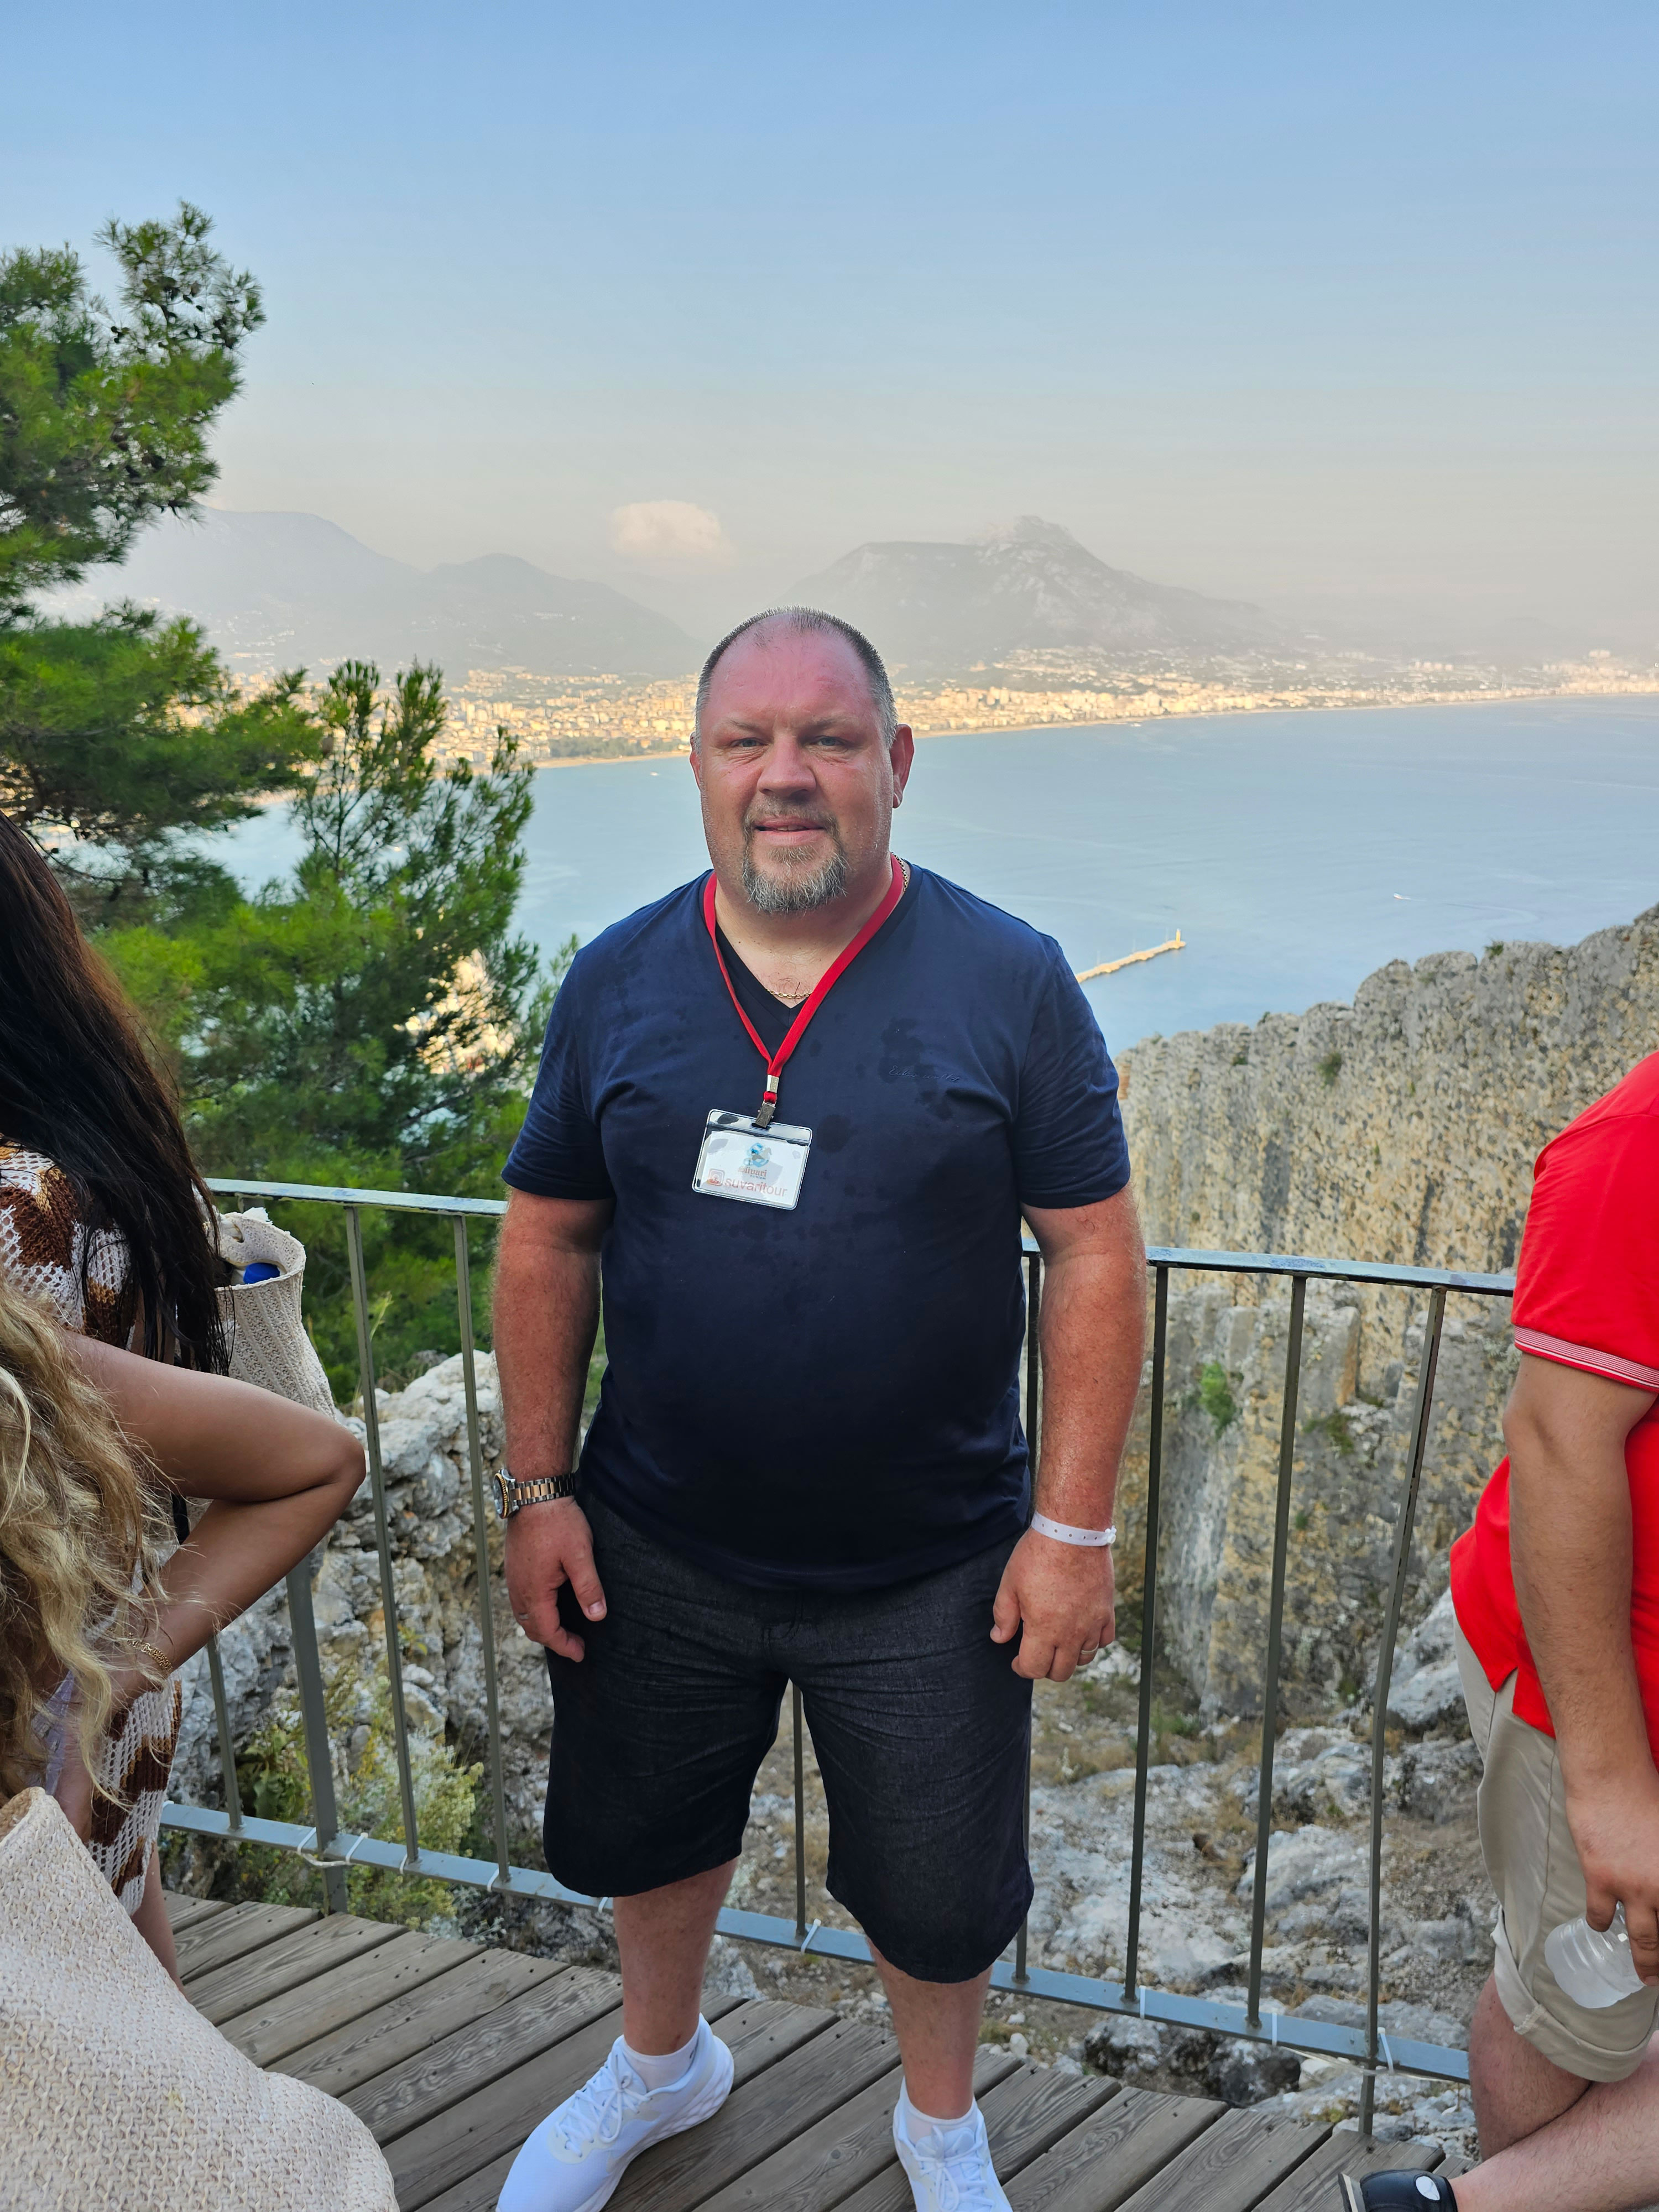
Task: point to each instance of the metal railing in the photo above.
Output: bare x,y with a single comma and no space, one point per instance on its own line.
332,1850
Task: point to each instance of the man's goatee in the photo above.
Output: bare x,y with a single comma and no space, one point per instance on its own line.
798,894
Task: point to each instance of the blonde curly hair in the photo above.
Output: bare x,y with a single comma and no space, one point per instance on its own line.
80,1523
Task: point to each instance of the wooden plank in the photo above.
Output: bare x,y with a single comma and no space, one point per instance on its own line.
235,1934
1094,2168
757,2036
1024,2116
427,2160
183,1910
343,1994
393,2032
445,2072
246,1983
1232,2165
1312,2187
848,2146
759,2117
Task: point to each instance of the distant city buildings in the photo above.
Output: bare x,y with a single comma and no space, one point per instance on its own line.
609,718
597,718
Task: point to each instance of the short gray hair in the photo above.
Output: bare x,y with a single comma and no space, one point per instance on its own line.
805,622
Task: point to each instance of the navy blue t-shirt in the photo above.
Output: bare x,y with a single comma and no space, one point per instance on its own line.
823,1398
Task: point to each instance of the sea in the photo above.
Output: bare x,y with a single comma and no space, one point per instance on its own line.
1295,853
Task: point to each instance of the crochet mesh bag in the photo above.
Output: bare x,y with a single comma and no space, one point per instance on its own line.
114,2091
268,1341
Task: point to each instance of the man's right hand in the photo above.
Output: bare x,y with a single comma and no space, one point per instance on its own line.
1615,1831
547,1546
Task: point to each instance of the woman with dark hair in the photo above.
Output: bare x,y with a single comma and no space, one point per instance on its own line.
104,1220
101,1209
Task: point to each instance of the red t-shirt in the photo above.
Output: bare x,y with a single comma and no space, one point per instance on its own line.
1587,1294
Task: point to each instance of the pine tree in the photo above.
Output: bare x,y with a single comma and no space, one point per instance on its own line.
121,731
372,1021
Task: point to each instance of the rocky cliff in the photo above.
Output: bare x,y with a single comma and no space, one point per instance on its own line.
1401,1128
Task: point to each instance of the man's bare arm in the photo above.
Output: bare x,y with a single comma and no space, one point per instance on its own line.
547,1315
1570,1543
1091,1331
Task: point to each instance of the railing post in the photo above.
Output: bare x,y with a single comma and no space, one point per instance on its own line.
394,1656
217,1680
313,1719
800,1814
1021,1976
1033,1361
1033,1447
481,1552
1403,1562
1264,1805
1148,1621
227,1747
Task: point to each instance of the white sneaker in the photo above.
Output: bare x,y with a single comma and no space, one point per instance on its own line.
950,2170
581,2151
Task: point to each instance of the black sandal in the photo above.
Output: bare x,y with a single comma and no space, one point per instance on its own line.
1397,2192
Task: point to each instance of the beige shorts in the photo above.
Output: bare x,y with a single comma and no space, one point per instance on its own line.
1534,1869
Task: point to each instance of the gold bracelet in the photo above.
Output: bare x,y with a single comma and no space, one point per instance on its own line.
159,1660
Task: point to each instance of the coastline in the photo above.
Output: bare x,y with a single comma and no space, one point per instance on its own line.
1196,715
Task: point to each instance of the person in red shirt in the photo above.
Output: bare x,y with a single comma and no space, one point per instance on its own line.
1556,1589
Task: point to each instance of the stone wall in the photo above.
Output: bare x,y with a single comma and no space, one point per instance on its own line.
1401,1128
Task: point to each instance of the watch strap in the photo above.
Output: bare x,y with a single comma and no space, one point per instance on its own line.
539,1490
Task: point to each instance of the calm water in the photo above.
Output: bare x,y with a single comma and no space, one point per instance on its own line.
1295,852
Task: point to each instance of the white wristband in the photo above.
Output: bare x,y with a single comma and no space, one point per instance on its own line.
1063,1533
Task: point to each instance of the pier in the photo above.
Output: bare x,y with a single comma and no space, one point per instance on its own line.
1176,944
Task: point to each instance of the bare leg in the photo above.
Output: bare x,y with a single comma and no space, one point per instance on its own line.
936,2024
1514,2089
1601,2156
1554,2142
664,1936
151,1919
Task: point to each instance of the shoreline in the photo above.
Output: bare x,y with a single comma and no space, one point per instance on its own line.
1143,721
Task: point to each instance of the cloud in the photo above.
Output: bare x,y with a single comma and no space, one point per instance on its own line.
669,533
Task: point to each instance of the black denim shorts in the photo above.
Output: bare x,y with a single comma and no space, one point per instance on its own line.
919,1722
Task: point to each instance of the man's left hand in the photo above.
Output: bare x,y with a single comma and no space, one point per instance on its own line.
1061,1596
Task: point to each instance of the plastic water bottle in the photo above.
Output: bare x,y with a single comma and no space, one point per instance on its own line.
1593,1964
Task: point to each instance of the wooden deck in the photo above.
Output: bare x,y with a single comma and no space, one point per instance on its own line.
452,2052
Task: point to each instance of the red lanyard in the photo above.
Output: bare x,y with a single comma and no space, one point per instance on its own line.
826,983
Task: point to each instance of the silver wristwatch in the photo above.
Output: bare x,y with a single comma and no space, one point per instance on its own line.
511,1494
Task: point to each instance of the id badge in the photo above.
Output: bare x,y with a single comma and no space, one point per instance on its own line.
741,1160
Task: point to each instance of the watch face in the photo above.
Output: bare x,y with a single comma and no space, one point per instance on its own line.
503,1494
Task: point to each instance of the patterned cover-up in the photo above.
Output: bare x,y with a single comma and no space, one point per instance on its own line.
82,1277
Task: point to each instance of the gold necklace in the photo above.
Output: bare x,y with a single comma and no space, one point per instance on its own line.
796,995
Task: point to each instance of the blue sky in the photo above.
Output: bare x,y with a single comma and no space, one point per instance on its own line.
1310,302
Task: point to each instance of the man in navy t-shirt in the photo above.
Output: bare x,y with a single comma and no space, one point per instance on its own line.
798,1108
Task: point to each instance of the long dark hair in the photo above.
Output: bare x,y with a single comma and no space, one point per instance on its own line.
77,1085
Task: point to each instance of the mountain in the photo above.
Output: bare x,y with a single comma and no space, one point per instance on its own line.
939,610
280,591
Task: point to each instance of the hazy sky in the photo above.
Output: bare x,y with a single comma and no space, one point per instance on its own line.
1274,301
